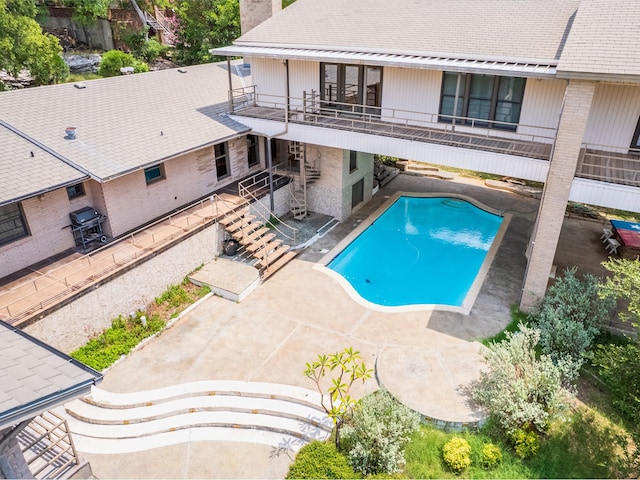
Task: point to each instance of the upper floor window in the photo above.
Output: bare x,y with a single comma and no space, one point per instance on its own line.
485,100
153,174
76,190
348,87
252,153
222,160
12,223
353,161
635,143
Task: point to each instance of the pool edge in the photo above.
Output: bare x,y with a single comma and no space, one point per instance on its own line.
476,286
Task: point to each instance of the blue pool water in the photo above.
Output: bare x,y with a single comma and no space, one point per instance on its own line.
419,251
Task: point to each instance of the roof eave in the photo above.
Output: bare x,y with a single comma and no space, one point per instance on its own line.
599,76
44,190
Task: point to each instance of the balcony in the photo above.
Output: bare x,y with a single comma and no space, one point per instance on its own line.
597,162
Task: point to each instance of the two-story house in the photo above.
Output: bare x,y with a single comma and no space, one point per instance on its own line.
540,90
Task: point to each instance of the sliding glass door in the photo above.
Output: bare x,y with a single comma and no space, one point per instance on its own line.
351,88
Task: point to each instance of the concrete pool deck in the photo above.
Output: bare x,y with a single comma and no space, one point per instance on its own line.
300,313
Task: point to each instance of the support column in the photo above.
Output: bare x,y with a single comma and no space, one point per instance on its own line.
12,462
562,168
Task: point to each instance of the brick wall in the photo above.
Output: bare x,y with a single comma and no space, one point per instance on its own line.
12,462
575,112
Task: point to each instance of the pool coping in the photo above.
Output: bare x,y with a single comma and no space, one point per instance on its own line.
474,290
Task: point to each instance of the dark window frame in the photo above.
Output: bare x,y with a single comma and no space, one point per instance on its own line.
357,193
353,161
635,141
253,151
494,102
19,221
363,95
150,176
221,159
75,191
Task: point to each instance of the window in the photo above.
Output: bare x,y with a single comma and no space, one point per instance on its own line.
222,161
76,190
486,100
153,174
353,161
357,192
12,223
345,86
252,153
635,143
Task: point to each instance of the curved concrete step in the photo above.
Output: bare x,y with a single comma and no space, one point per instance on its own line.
274,414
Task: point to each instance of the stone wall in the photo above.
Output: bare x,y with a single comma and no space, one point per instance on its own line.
74,324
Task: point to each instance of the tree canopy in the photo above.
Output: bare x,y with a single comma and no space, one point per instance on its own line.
23,45
205,24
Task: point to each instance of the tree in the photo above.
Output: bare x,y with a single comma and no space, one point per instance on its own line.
23,45
519,389
203,25
337,401
86,12
624,285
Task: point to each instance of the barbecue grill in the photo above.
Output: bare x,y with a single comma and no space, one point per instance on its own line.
86,225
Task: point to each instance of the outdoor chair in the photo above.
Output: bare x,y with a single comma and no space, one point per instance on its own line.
612,246
606,234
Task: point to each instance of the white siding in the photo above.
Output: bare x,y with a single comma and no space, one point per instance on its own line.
614,116
541,108
603,194
410,91
303,76
269,77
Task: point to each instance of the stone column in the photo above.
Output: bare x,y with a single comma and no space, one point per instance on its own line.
12,462
562,168
254,12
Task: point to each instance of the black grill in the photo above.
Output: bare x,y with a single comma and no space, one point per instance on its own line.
86,225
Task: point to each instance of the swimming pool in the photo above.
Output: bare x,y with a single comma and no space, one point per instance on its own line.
420,251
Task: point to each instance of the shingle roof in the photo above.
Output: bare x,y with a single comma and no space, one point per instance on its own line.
36,377
26,169
604,39
524,30
128,122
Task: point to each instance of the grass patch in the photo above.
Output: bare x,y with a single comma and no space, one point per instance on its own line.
517,317
125,333
81,77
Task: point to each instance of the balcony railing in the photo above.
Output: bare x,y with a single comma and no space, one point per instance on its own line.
598,162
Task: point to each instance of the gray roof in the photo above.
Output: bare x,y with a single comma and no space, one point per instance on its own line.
604,40
529,31
35,377
27,170
128,122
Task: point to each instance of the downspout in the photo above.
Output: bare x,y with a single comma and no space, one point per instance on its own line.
270,137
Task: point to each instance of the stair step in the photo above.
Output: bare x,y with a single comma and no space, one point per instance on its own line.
273,256
260,242
254,236
239,224
268,248
232,217
281,262
243,232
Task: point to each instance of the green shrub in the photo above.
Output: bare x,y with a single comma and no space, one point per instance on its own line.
569,318
174,296
114,60
518,388
618,367
320,460
526,443
456,454
375,437
491,455
151,50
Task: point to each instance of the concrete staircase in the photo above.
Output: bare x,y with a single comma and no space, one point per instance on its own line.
259,242
282,416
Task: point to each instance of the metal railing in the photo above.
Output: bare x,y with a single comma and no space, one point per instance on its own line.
47,446
55,285
503,137
609,164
